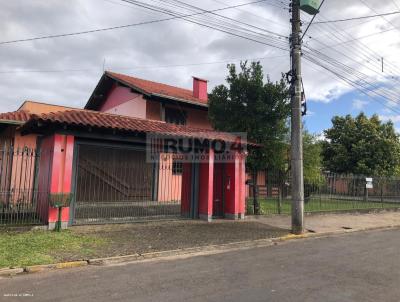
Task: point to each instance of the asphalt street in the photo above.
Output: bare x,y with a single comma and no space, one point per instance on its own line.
354,267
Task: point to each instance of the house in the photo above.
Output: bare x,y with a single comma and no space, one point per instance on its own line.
114,160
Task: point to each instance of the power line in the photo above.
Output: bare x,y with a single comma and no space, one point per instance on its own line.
257,15
122,26
364,51
352,83
140,67
273,41
358,18
228,18
319,8
341,70
375,11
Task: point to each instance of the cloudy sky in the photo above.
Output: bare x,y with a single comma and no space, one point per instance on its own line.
65,70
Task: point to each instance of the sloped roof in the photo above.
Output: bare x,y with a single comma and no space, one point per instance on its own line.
15,117
41,107
151,88
100,120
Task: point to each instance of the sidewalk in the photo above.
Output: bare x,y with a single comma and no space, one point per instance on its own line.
114,244
332,223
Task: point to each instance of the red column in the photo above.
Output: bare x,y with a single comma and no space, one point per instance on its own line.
55,176
186,189
206,182
242,184
235,188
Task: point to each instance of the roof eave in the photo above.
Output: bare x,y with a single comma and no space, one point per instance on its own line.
12,122
180,100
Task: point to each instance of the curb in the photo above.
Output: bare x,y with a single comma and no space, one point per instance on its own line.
180,253
47,267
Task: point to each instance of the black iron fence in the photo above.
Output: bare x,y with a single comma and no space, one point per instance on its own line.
328,193
20,200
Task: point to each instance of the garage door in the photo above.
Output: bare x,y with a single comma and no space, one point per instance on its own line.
117,184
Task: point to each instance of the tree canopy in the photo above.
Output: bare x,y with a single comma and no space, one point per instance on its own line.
257,107
312,159
361,145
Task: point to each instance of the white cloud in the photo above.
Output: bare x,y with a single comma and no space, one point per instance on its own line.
393,118
133,50
359,104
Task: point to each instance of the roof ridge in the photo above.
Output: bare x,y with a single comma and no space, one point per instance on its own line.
149,81
42,103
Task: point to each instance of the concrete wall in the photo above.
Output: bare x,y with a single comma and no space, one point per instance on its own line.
121,100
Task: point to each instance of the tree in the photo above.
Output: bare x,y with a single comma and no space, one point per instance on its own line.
312,159
312,163
260,109
361,145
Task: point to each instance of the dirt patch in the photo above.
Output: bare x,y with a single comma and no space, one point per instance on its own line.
124,239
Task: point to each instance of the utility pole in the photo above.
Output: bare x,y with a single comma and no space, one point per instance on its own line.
296,124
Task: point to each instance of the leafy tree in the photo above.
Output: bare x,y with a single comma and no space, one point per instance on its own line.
312,163
257,107
312,158
361,145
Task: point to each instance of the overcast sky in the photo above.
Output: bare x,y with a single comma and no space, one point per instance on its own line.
145,51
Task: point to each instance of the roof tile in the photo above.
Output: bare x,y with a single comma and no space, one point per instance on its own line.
97,119
157,88
17,116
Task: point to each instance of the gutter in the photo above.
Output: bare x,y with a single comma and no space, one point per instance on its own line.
12,122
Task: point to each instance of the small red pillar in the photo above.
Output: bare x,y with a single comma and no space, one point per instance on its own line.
55,176
206,186
186,189
235,187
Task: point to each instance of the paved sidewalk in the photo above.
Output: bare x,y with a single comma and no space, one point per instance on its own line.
327,223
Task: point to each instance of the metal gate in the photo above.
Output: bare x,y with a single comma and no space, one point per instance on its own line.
19,198
117,184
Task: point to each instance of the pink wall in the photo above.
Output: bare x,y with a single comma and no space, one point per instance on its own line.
169,185
121,100
235,189
55,174
23,167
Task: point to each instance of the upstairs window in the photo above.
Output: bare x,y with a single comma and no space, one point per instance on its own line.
177,168
175,116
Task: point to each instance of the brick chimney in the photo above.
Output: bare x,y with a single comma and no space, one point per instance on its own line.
200,89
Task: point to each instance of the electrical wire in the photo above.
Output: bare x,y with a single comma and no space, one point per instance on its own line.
119,26
357,18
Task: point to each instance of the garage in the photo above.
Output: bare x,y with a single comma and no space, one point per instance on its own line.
117,184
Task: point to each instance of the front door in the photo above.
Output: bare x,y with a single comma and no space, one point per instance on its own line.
218,190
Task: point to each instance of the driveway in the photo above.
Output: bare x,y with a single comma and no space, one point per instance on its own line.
361,266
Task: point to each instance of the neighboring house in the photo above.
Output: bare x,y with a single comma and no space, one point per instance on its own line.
94,159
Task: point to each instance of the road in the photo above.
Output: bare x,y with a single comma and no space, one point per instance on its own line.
357,267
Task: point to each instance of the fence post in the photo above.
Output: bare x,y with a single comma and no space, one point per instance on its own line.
280,200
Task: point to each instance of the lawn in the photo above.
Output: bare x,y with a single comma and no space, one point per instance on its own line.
97,241
270,206
44,247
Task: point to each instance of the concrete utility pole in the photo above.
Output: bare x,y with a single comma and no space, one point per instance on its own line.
296,124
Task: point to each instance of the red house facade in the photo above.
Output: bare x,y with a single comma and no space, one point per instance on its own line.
95,161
